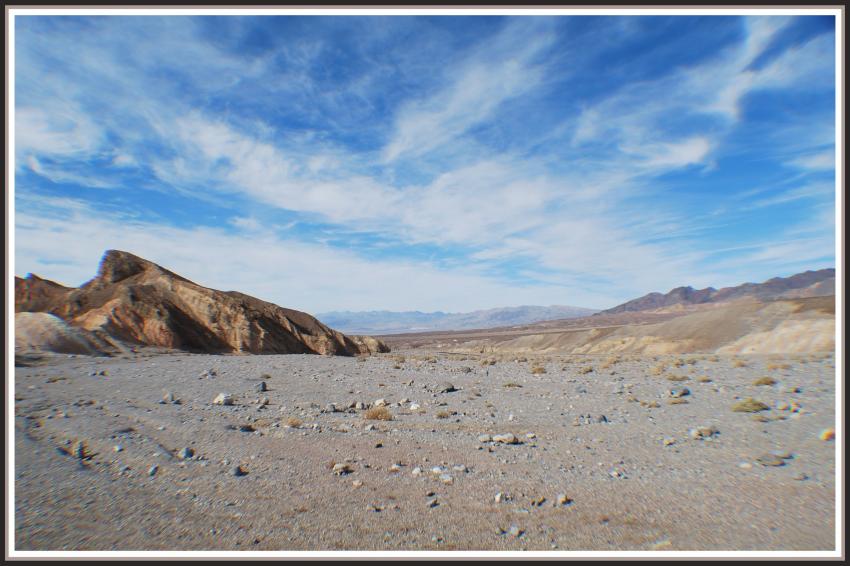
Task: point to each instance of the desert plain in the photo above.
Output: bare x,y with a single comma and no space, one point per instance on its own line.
482,451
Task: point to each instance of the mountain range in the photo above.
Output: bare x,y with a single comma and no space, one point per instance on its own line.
390,322
818,283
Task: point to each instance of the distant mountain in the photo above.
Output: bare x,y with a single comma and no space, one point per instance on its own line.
135,301
807,284
390,322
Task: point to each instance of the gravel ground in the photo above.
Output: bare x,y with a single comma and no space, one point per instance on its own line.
603,461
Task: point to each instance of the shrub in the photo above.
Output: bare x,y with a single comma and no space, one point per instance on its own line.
749,405
293,422
378,414
766,380
536,370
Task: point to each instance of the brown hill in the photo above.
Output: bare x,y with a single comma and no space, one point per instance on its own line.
746,326
807,284
138,302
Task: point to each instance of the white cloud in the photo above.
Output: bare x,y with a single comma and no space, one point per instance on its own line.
822,161
61,131
291,273
503,70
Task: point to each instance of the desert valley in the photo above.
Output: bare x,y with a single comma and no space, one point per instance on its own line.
154,413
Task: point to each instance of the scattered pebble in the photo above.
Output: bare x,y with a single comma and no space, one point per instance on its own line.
827,434
223,399
702,432
770,460
341,469
562,499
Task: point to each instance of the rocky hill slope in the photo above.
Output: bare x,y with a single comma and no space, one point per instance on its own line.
807,284
135,301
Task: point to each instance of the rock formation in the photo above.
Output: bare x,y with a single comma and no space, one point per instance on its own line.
138,302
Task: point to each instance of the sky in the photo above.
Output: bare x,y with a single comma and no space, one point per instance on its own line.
427,163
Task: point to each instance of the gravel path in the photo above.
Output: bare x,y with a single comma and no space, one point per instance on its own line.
603,461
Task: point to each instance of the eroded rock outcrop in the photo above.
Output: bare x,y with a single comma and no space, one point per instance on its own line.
138,302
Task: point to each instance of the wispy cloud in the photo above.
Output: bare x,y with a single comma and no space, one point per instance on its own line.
512,150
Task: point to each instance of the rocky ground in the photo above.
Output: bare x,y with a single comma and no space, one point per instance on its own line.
554,453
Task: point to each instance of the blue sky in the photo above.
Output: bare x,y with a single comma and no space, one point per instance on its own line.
428,163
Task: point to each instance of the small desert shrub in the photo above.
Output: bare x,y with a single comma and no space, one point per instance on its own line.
679,362
293,422
399,359
678,401
713,358
536,370
659,369
749,405
397,366
521,359
266,376
650,404
488,362
610,362
677,378
443,414
773,366
766,380
378,414
739,364
586,369
511,384
704,379
691,361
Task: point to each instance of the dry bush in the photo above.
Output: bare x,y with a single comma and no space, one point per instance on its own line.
443,414
774,365
536,370
678,401
749,405
378,414
488,362
677,378
659,369
704,379
610,362
739,364
511,384
766,380
678,362
293,422
585,369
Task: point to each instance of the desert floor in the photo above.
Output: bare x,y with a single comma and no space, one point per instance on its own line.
599,431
